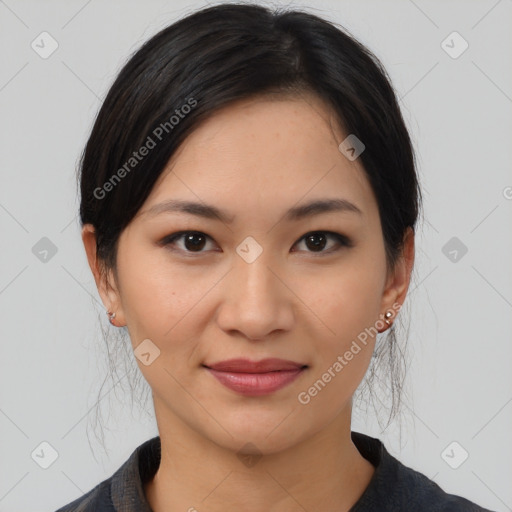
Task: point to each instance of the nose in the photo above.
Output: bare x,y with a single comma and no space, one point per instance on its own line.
256,301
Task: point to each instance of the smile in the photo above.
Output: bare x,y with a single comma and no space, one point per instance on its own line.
256,378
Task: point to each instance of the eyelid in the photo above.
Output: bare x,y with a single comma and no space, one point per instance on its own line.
170,239
343,241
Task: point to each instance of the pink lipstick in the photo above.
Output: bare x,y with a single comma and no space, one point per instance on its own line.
256,378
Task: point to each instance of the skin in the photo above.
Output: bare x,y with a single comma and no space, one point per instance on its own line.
255,159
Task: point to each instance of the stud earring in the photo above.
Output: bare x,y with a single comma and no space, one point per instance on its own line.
111,317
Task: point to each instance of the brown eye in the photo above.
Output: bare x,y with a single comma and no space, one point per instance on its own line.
192,241
316,241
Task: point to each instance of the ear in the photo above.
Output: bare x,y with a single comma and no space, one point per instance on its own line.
105,281
399,277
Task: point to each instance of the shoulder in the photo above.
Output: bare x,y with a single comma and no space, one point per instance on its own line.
97,499
395,486
413,489
124,489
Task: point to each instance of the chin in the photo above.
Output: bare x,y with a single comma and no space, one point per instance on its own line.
264,433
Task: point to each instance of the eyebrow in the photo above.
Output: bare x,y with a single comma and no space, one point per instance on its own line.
295,213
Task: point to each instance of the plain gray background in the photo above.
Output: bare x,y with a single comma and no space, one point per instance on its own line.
53,357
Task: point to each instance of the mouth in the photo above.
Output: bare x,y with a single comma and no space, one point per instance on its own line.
256,378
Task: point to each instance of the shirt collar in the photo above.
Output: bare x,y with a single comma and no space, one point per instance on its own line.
127,487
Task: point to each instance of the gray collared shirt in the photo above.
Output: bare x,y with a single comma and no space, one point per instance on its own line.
394,487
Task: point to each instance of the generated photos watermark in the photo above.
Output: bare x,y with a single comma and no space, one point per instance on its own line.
150,143
304,397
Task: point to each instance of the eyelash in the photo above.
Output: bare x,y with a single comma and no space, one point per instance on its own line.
341,239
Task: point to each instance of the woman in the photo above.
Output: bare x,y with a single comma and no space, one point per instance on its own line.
249,200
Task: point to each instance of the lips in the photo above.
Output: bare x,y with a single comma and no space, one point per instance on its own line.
263,366
256,378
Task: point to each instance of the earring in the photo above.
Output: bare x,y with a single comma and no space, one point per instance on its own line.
111,317
388,314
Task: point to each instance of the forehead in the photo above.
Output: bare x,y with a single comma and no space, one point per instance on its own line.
268,152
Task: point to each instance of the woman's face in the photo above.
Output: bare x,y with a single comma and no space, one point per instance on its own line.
251,285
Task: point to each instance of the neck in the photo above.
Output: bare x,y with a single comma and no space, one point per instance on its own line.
324,472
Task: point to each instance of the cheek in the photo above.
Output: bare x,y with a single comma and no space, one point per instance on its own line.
347,302
347,298
156,295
